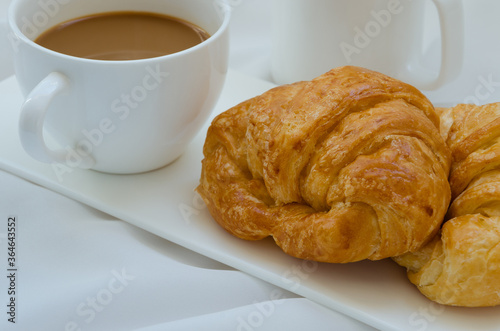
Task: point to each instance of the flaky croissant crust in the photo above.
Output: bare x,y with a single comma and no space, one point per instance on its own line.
461,265
345,167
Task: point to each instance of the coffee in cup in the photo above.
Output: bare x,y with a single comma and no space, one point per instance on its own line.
122,36
108,114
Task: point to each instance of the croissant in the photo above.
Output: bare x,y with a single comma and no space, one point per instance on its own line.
345,167
461,265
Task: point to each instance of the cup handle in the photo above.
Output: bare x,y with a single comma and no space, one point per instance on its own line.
451,17
32,119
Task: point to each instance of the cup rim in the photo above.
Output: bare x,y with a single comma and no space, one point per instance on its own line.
226,10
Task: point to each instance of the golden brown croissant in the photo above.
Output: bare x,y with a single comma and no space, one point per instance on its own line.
345,167
461,266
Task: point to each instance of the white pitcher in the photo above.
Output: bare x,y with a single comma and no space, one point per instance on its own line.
312,36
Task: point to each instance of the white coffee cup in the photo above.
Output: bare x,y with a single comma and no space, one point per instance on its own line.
115,116
312,36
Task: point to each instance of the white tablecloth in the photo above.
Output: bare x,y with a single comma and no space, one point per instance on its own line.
80,269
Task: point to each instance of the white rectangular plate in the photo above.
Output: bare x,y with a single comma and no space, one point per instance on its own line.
164,203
